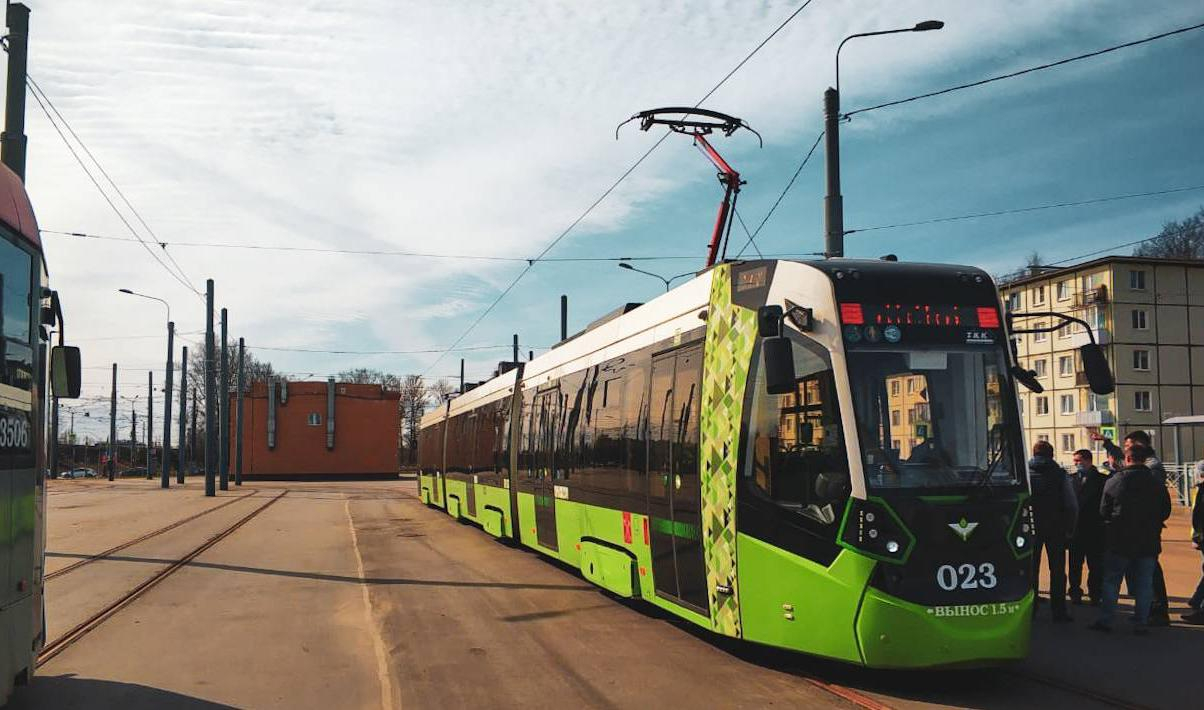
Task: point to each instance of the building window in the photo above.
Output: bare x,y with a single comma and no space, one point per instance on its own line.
1014,301
894,418
1020,404
1039,295
1042,437
1068,442
1141,401
1141,360
1063,290
1139,319
911,385
1042,405
1067,404
314,419
1041,367
894,388
1137,279
1039,337
1065,365
895,444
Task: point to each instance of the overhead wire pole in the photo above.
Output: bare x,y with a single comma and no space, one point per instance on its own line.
210,396
223,443
182,457
242,347
165,475
113,424
13,141
150,422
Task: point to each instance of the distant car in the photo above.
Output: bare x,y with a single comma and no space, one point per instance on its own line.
137,471
78,473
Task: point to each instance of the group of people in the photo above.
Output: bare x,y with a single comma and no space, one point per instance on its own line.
1112,523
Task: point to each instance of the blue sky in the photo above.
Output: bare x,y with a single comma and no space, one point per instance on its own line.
486,128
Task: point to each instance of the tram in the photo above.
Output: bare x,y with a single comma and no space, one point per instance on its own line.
33,368
821,456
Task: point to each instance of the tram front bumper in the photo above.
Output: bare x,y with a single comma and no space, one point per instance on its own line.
896,634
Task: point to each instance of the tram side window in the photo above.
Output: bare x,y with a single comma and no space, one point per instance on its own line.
526,434
501,437
571,429
794,449
16,274
634,427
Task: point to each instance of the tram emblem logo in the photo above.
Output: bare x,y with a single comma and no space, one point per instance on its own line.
963,528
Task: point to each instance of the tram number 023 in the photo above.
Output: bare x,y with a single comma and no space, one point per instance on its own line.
966,576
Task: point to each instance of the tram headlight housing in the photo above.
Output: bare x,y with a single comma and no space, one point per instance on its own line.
1022,530
872,528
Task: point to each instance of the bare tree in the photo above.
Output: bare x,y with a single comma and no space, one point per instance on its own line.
439,391
368,376
414,398
1177,240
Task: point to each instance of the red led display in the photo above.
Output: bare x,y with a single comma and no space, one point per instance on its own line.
922,314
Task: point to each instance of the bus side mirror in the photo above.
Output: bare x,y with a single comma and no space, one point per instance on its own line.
779,365
65,372
1095,365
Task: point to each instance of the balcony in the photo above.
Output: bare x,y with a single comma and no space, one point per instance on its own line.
1091,297
1094,419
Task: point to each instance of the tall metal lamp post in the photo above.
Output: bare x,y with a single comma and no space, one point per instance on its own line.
834,201
666,281
164,480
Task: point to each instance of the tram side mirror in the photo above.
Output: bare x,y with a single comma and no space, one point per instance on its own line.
65,372
1028,378
779,365
1095,366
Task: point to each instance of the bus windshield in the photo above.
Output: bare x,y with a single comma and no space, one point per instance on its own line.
931,417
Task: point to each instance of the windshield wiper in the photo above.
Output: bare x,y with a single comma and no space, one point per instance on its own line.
994,461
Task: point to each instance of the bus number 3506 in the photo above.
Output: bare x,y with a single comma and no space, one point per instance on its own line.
966,576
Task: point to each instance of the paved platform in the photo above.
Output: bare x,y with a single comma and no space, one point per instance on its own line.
354,595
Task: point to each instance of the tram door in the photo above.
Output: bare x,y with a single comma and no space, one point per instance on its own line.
674,484
546,423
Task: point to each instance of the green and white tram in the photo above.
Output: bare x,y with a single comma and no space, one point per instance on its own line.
821,456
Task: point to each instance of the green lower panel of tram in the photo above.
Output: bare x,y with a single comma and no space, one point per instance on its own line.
786,600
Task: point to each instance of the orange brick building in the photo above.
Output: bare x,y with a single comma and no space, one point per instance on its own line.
288,431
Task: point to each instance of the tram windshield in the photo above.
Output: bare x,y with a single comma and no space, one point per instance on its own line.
932,418
16,278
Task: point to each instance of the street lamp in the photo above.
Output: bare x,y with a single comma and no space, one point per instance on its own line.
164,481
834,201
666,281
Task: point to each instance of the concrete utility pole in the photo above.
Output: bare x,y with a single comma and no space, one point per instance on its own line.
113,424
13,140
150,422
461,375
183,415
224,416
242,346
210,396
515,359
165,477
54,436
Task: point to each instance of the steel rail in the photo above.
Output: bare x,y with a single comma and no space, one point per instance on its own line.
154,533
60,644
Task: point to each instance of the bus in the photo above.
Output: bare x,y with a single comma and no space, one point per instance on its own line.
821,456
33,370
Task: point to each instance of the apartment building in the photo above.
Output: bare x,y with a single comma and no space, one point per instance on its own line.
1148,314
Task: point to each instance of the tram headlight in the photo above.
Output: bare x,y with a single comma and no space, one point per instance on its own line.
1020,542
872,528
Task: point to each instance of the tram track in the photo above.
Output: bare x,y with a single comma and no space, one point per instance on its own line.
142,538
1094,695
63,642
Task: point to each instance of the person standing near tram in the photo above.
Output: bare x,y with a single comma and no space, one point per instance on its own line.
1055,514
1087,544
1196,615
1160,606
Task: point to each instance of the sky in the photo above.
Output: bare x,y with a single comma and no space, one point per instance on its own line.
486,128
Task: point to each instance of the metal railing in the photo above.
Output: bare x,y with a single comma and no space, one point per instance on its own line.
1181,477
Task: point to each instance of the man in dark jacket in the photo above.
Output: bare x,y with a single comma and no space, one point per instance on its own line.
1087,544
1055,514
1160,606
1133,508
1196,616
